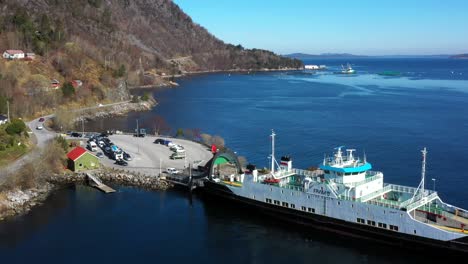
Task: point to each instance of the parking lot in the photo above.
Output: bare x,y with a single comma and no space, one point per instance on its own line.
150,158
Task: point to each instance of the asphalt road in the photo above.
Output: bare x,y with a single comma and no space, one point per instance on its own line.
150,158
40,137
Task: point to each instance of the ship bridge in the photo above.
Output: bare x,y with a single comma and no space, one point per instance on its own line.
346,169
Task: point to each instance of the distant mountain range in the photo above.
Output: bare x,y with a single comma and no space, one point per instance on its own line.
323,55
460,56
303,56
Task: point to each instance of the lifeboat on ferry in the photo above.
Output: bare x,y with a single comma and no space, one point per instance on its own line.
271,180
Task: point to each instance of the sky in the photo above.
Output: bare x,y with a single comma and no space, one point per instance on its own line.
365,27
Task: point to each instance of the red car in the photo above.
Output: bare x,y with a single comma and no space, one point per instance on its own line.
41,119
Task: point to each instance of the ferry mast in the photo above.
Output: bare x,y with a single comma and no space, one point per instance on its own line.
273,152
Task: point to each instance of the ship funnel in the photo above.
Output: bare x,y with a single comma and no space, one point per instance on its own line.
286,163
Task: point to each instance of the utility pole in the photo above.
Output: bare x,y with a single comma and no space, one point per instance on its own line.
82,126
138,134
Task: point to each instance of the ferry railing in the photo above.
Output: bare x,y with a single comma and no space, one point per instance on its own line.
385,203
422,201
308,173
376,193
369,179
404,189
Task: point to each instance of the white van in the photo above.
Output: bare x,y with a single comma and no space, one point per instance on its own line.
92,146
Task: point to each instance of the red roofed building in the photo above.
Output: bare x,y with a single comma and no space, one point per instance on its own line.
80,159
13,54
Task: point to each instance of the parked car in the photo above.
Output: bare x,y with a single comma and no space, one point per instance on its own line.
75,134
172,171
41,119
177,155
99,155
159,141
127,156
101,143
121,162
39,127
177,148
107,150
170,144
92,146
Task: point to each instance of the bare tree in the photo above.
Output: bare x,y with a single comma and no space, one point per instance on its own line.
218,141
206,139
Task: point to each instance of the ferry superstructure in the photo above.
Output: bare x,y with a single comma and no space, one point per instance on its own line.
346,196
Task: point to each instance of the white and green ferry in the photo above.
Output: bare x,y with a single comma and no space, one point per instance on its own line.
344,195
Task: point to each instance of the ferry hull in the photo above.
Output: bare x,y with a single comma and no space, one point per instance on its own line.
324,223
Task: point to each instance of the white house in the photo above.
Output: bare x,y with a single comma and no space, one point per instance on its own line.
13,54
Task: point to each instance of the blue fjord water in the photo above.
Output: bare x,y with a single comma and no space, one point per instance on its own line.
390,118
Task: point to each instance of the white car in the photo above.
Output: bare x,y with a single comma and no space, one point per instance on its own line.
39,127
176,148
172,171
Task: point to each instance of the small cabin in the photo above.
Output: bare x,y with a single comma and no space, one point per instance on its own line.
55,83
13,54
80,159
76,83
3,119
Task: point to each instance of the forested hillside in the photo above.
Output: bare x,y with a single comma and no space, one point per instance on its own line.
102,41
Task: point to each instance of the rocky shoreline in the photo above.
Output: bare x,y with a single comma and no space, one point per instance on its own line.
118,110
19,202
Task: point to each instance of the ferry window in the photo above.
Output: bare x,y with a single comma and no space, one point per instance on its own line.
277,202
384,226
352,205
254,196
396,228
303,208
268,200
368,222
355,173
285,204
308,196
380,224
373,223
311,210
281,191
339,203
293,206
415,231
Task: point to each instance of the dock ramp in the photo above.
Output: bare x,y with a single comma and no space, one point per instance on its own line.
96,183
